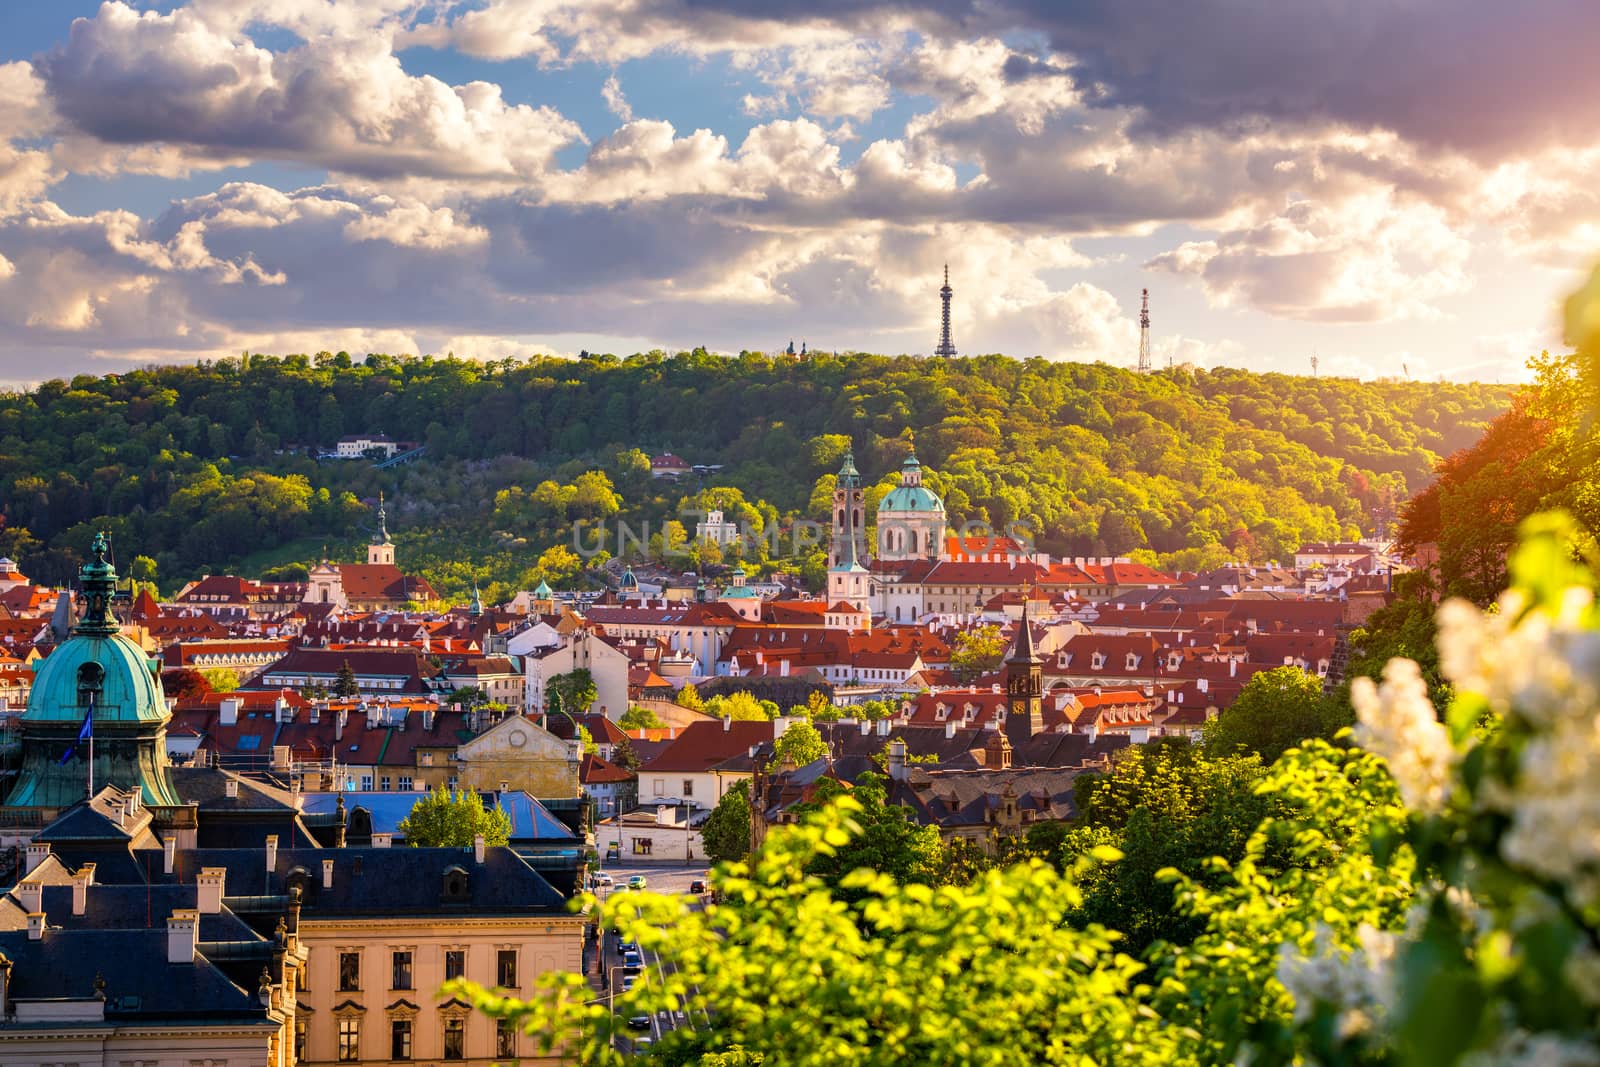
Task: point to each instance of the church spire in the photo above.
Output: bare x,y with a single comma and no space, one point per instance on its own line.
947,347
99,579
383,521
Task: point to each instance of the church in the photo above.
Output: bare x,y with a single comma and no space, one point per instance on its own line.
910,537
376,585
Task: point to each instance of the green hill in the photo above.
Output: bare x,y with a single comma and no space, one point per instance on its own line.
209,467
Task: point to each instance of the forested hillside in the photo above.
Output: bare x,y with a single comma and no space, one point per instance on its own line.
208,467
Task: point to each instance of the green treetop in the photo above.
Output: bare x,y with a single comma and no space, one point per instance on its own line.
443,819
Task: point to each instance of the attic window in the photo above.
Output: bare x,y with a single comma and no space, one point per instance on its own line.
455,884
1098,661
91,676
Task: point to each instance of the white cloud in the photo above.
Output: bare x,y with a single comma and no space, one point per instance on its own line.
616,102
1364,259
344,103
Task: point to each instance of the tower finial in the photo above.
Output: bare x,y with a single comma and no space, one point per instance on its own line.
99,581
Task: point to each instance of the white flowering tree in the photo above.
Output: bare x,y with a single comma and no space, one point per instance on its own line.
1499,959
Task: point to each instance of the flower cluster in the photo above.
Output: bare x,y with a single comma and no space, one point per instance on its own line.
1397,721
1358,984
1538,667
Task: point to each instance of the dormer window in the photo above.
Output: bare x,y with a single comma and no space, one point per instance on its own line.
1098,661
1133,661
455,885
91,677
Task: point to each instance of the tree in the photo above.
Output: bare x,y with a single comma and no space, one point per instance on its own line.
1275,710
184,684
800,743
890,842
587,740
467,696
624,755
575,689
740,707
344,683
221,679
689,697
726,833
977,651
640,718
443,819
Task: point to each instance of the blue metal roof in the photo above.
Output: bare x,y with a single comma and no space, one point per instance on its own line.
530,820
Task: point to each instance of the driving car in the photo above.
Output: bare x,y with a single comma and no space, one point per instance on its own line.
632,960
637,882
604,879
628,982
639,1022
697,886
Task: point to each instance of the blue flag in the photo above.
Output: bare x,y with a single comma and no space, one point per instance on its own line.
86,733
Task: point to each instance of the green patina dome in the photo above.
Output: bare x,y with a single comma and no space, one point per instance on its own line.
911,498
129,691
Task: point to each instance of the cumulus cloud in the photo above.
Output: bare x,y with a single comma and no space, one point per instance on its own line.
616,102
345,103
1366,259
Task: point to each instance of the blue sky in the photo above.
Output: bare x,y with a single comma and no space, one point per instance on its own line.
180,181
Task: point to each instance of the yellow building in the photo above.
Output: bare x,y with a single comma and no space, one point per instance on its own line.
518,753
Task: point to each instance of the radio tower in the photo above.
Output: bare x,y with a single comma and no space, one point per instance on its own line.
946,347
1144,332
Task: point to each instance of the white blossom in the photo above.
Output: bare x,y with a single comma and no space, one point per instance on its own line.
1358,983
1521,1049
1397,721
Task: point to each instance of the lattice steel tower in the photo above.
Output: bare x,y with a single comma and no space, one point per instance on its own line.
1144,332
946,347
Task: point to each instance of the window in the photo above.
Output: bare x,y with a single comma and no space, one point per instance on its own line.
366,783
505,1038
349,1039
661,788
455,1039
349,972
688,787
453,782
300,1037
405,783
402,971
400,1039
427,759
385,783
506,968
455,963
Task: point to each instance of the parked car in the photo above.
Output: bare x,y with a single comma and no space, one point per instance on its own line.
604,879
633,961
697,886
628,982
637,882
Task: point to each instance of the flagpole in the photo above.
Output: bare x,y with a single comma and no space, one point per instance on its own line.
91,745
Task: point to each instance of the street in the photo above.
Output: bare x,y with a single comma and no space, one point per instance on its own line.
660,879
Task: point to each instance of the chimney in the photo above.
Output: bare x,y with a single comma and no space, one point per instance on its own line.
231,788
381,839
727,723
5,987
316,713
327,874
478,848
169,849
884,726
35,855
866,727
81,881
183,926
949,729
32,895
228,711
338,724
897,760
35,925
284,711
209,895
272,853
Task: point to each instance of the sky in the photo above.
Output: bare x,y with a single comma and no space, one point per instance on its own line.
1392,187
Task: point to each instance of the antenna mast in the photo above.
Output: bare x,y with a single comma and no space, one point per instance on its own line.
1144,332
1314,362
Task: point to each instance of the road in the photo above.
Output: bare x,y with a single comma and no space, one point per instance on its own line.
660,879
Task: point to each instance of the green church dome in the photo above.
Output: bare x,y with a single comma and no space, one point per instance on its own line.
128,690
911,498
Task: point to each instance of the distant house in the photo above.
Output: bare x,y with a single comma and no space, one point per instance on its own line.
668,465
361,445
714,528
